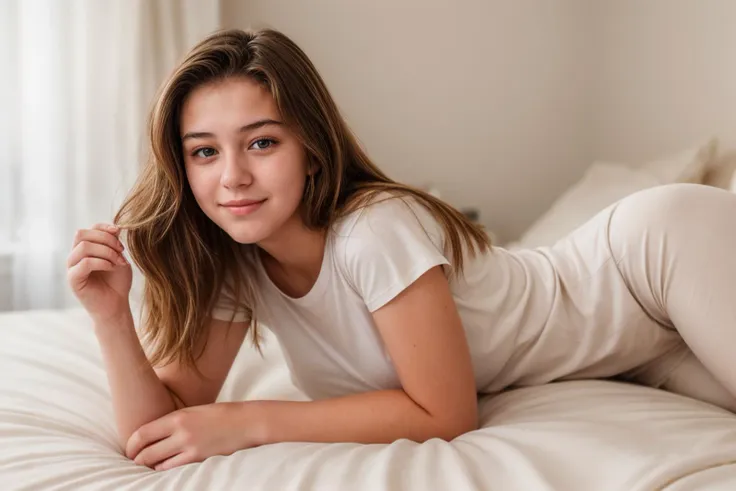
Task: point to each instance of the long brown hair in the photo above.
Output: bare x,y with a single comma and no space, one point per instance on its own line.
188,261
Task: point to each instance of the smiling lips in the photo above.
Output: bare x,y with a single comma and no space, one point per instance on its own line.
242,206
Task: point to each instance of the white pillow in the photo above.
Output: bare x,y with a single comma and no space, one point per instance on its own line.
602,185
689,165
721,170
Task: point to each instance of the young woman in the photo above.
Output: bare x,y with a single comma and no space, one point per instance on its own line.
392,310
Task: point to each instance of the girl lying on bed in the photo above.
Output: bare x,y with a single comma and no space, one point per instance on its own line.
258,208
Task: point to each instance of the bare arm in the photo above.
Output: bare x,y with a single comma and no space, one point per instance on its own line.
424,336
100,277
141,394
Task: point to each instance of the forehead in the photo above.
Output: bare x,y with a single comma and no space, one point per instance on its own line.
235,100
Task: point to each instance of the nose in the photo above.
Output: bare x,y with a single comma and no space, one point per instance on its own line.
235,172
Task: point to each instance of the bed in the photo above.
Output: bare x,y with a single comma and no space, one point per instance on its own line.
57,430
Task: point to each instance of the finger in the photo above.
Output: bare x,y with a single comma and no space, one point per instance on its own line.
80,272
92,249
107,227
175,461
147,434
158,452
98,236
110,228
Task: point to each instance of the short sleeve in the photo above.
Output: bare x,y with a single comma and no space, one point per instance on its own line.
390,245
226,308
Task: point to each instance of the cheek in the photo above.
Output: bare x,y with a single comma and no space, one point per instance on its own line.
202,187
286,182
294,186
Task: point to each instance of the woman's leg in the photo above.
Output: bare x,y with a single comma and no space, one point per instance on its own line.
691,378
676,249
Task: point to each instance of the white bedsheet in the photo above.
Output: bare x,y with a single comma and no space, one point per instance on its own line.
57,433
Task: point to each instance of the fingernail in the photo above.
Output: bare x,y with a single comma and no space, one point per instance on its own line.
122,261
112,229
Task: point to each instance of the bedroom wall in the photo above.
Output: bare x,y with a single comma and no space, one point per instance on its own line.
488,101
666,76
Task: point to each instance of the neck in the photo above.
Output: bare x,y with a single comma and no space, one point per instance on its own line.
295,251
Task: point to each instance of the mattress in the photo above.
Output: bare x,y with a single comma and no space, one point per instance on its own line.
57,433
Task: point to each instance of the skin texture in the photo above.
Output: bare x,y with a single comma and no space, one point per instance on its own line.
229,155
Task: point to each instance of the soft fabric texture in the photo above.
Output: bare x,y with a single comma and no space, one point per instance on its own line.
328,335
578,309
688,166
57,432
604,183
601,185
522,311
722,171
674,247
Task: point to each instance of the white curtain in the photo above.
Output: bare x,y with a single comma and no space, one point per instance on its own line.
78,78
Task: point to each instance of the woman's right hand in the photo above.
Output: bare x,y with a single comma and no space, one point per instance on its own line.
98,274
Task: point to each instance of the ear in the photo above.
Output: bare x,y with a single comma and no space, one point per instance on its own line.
312,167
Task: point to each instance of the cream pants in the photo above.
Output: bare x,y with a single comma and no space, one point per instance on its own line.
675,247
645,291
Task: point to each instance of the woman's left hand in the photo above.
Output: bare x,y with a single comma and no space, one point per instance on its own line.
193,434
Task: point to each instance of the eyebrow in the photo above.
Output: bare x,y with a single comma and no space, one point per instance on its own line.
248,127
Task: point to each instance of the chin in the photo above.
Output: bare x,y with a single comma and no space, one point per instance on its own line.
251,231
246,236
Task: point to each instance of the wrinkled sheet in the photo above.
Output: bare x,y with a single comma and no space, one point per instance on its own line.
57,433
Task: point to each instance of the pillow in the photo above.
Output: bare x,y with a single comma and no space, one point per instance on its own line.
690,165
602,185
721,170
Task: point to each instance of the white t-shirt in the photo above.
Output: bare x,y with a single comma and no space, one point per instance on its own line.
524,312
328,336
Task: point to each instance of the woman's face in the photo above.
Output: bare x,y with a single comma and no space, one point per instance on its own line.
247,170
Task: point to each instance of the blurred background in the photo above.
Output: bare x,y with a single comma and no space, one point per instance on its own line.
500,107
